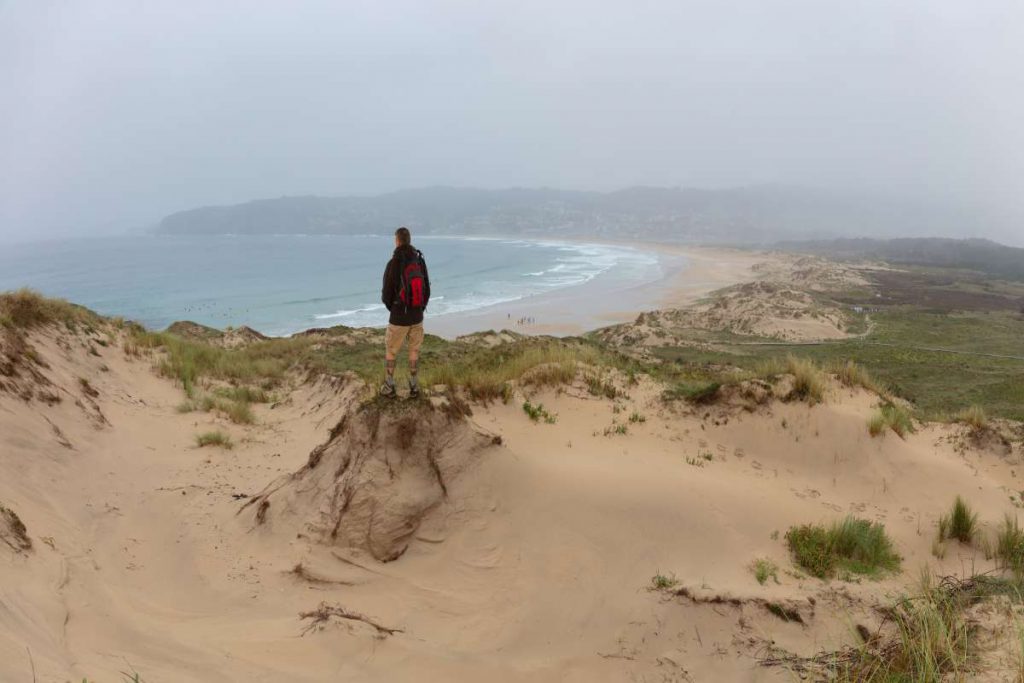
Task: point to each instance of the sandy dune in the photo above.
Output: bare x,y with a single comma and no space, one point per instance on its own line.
532,563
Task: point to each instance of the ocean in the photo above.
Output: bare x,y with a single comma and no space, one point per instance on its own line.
281,284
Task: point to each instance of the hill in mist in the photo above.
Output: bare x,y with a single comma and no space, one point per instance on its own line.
984,256
755,215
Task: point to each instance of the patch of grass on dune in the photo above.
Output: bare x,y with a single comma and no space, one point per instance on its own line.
216,438
264,362
961,523
850,374
974,417
809,381
484,373
890,416
930,638
852,545
26,308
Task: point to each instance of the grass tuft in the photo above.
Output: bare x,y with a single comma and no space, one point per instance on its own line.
217,438
808,380
961,523
764,569
660,582
974,417
1010,546
857,546
891,416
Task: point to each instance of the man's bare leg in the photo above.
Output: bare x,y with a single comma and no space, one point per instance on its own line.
389,367
414,385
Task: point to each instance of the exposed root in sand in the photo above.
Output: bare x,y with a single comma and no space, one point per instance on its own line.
13,531
300,572
324,613
786,610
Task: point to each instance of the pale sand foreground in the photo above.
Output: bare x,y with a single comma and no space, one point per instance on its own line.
691,273
535,567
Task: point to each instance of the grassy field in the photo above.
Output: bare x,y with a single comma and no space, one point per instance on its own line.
900,349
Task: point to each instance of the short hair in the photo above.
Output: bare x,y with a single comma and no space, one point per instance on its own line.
403,235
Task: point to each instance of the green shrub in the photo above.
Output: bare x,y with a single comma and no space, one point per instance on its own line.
854,545
537,413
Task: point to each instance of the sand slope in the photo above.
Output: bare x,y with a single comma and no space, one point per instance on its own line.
532,564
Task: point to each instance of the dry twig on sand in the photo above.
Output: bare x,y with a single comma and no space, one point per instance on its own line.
324,612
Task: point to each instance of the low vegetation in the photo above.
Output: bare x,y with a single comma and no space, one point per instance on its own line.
928,637
1010,546
216,438
661,582
809,381
764,569
538,412
890,416
25,308
700,393
961,523
974,417
852,375
854,546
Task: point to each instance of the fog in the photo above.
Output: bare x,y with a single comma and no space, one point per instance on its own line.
113,114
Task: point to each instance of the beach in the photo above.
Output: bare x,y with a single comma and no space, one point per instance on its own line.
687,275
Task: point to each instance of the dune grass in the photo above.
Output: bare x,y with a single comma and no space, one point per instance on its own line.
764,569
852,375
974,417
1010,546
890,416
660,582
484,373
216,438
26,308
809,381
961,523
852,545
697,393
932,639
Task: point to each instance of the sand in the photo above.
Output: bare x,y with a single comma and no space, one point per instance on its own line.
690,273
533,564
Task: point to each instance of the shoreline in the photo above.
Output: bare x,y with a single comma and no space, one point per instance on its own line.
690,273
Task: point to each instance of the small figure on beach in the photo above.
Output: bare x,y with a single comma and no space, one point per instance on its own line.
406,293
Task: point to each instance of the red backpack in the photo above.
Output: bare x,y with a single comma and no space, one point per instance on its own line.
411,294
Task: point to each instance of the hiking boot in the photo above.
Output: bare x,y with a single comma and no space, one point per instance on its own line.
387,390
414,390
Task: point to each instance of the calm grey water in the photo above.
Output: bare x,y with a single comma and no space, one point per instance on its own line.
284,284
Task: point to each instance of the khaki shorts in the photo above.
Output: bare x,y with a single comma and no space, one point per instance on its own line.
396,334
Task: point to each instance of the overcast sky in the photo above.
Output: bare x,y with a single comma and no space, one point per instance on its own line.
113,114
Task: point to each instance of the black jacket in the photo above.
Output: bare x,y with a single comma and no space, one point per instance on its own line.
400,315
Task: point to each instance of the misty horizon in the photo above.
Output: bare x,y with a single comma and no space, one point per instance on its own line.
111,120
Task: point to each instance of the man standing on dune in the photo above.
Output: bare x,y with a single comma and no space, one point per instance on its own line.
405,294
